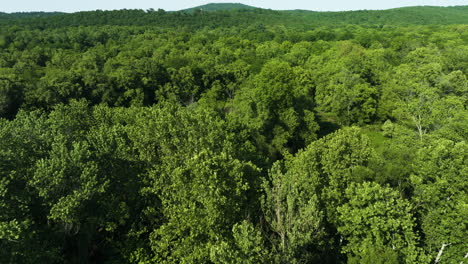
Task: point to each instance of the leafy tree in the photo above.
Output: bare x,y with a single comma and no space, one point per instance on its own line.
345,156
248,247
343,84
440,192
202,186
376,219
10,93
292,209
277,108
24,235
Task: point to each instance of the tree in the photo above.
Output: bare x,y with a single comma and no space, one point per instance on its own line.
440,192
292,209
417,108
301,198
353,100
204,187
182,88
376,219
247,247
24,235
345,156
277,108
344,84
10,93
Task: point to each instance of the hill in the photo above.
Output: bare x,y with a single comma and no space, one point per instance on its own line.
220,7
19,15
418,15
229,15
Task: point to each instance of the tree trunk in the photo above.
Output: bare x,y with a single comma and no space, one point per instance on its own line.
466,256
418,123
84,239
440,252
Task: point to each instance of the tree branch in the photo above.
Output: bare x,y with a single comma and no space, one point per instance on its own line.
440,252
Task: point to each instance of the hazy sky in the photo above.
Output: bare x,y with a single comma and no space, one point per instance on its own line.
318,5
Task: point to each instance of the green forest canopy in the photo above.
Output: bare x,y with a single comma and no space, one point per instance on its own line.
234,136
222,15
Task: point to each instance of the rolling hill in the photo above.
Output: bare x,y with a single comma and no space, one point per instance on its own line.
227,15
220,7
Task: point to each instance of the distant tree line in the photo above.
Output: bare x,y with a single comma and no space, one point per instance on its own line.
236,15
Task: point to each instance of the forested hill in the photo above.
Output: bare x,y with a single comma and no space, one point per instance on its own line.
26,18
219,7
227,15
418,15
22,15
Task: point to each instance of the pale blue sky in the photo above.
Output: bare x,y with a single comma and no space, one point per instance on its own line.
317,5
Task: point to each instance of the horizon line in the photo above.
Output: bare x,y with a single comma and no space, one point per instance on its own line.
184,9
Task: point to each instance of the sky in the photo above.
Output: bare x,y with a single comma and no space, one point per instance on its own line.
170,5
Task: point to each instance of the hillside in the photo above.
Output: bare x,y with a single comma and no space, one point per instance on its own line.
220,7
20,15
233,15
418,15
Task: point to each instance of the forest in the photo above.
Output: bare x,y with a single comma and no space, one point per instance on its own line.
237,135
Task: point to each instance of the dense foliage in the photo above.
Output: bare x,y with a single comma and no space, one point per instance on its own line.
125,141
229,15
